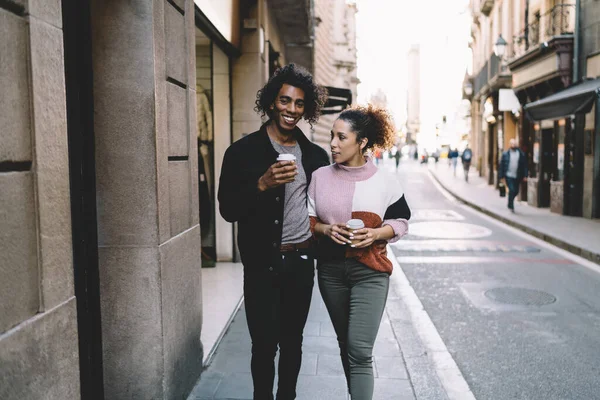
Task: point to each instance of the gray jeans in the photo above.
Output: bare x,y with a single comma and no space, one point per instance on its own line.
355,297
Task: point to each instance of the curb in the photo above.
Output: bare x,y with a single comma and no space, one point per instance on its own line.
578,251
208,357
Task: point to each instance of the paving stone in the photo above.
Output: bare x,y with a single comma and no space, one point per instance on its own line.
207,386
321,388
312,328
327,329
321,345
393,389
386,347
235,386
390,367
330,365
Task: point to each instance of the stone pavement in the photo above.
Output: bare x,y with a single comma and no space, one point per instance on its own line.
580,236
321,377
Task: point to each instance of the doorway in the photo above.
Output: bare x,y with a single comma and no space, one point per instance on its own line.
546,167
82,175
206,148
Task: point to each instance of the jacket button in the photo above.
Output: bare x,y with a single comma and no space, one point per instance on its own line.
277,198
274,244
270,268
276,222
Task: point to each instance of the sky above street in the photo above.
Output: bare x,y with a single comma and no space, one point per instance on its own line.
385,31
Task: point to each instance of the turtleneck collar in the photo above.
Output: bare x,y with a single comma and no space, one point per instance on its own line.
356,174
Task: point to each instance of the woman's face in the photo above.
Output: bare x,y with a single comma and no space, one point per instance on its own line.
344,147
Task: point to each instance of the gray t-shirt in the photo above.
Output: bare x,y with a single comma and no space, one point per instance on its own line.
296,225
513,163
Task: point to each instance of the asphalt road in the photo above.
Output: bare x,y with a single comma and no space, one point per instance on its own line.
521,319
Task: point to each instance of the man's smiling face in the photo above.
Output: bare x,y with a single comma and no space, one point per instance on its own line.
288,107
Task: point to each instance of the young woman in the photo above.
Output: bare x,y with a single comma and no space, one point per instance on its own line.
353,270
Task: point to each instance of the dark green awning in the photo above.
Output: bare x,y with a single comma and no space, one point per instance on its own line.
577,99
338,99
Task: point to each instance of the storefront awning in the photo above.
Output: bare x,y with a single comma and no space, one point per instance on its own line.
338,100
577,99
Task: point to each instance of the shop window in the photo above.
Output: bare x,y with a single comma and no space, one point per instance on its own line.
560,150
206,148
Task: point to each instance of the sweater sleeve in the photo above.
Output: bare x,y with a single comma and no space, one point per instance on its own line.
397,216
312,211
398,212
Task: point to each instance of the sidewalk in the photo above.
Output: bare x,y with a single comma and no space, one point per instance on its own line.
577,235
321,377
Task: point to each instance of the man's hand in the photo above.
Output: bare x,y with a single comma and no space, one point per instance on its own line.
278,174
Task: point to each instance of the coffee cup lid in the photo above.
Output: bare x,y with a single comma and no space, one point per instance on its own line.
355,224
286,157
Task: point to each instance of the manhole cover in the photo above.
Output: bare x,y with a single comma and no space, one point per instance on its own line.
520,296
448,230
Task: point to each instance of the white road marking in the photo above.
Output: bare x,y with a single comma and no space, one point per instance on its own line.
564,253
448,372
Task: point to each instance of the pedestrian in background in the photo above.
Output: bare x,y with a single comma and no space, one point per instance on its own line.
465,158
397,156
268,200
513,170
353,269
453,155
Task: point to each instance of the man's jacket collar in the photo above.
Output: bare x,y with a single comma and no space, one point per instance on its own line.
298,135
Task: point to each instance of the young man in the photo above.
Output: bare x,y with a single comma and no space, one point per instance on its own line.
513,169
268,199
466,157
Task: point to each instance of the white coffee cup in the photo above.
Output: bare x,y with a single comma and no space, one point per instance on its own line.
286,157
355,224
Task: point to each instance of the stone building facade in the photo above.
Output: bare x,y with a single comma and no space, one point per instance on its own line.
104,108
413,94
550,61
335,56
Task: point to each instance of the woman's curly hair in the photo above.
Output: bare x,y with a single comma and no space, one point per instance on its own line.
373,123
315,95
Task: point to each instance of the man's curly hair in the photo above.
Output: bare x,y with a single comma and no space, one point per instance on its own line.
315,95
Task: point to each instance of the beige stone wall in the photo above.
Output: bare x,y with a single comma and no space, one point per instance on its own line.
147,194
38,325
250,71
335,56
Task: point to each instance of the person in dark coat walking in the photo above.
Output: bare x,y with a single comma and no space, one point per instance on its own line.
465,158
268,200
513,169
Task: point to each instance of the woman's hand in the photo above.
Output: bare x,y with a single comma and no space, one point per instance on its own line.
367,236
364,237
336,232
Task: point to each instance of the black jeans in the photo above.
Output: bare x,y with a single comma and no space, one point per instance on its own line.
513,191
277,304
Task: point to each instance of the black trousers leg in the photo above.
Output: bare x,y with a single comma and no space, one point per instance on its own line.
277,305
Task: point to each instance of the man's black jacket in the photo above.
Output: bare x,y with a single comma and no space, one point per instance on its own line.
505,161
259,214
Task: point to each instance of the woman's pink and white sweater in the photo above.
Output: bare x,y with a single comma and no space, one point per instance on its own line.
338,193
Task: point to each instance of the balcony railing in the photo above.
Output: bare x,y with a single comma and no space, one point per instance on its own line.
492,67
559,21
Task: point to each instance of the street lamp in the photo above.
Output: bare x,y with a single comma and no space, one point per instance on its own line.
500,47
468,89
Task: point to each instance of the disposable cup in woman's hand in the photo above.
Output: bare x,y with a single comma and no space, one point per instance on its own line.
353,225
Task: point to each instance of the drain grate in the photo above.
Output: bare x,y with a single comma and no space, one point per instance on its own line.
520,296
